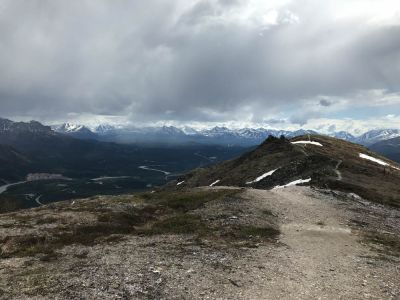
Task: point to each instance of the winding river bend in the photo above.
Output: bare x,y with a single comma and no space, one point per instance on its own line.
5,187
155,170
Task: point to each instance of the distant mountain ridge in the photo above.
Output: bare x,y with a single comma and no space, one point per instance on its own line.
74,130
174,135
217,135
34,148
19,127
375,136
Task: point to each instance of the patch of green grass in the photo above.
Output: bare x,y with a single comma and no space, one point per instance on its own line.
108,224
180,224
186,200
130,216
27,245
160,213
88,234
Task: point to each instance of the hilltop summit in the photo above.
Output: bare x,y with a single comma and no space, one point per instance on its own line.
316,160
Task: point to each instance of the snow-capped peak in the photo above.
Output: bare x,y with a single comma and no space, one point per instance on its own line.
68,127
189,130
344,135
377,135
104,128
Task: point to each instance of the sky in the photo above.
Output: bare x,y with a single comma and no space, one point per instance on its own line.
328,65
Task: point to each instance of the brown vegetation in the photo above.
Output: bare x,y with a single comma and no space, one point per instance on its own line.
105,219
336,165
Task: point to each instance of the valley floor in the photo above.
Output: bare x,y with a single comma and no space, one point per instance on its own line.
330,247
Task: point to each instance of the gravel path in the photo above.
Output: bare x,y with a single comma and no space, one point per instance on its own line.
323,258
319,255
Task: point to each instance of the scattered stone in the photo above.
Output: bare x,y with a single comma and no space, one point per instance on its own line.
233,282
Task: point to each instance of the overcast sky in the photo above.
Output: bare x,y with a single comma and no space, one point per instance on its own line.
328,65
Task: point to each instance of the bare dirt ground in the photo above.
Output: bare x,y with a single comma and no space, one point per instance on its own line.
322,257
321,253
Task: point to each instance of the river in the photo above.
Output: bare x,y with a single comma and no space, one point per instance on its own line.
155,170
5,187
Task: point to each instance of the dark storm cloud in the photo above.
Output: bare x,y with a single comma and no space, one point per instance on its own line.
188,60
324,102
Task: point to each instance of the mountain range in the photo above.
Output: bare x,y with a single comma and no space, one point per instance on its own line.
41,149
216,135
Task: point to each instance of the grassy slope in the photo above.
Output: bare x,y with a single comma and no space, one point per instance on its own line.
106,219
363,177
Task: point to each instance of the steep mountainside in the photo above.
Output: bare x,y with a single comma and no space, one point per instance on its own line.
324,162
389,148
377,135
13,165
53,152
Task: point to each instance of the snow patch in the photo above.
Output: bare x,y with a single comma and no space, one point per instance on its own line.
215,182
296,182
262,177
378,161
308,142
355,196
72,127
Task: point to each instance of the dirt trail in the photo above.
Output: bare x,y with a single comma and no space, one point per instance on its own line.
322,257
338,173
319,255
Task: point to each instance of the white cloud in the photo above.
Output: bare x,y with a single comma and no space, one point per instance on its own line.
211,61
354,126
